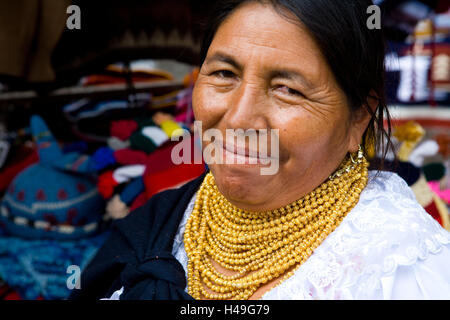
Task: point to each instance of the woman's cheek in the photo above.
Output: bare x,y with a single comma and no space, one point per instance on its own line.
302,134
208,104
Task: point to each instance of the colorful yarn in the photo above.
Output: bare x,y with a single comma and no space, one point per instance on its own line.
126,173
171,128
443,194
116,208
130,156
409,172
155,134
185,117
140,142
162,173
159,117
145,122
132,190
171,178
190,78
426,149
123,129
434,212
422,191
184,112
434,171
106,184
117,144
140,200
80,147
409,134
102,158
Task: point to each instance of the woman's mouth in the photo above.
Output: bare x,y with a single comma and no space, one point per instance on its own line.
236,154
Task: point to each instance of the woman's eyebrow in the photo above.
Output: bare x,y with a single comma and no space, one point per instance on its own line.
223,57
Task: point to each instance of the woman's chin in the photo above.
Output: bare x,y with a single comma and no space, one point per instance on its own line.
242,184
238,174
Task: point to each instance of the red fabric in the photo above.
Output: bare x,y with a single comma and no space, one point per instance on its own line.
7,293
106,184
140,200
161,158
434,212
10,172
123,129
13,296
171,178
161,173
130,156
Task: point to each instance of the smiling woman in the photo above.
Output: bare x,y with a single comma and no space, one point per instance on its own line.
322,226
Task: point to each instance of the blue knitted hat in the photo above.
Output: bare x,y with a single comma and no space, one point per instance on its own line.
56,198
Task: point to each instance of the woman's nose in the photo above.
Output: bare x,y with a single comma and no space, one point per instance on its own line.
247,108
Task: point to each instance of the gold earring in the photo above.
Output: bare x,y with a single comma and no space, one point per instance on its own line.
348,168
359,157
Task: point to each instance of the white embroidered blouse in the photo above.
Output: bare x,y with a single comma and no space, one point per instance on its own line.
387,247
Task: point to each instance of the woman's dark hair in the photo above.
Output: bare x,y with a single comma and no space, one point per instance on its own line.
355,54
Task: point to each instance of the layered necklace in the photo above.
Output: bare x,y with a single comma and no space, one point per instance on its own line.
262,246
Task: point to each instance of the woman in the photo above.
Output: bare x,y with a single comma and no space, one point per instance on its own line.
323,226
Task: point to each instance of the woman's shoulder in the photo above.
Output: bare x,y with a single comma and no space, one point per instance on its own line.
388,202
387,236
389,214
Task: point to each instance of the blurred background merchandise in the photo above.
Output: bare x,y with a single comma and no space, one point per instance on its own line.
87,116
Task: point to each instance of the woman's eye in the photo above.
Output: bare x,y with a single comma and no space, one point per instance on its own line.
223,74
289,91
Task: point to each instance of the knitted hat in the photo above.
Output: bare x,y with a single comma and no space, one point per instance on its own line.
56,198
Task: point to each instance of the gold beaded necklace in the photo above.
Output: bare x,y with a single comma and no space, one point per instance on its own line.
262,246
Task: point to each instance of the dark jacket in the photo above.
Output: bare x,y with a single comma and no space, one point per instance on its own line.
138,253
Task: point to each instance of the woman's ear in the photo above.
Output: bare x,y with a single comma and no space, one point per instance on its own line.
360,121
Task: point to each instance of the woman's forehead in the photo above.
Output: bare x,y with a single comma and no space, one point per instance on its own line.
256,34
261,25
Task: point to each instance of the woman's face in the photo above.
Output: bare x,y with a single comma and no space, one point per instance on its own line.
263,71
